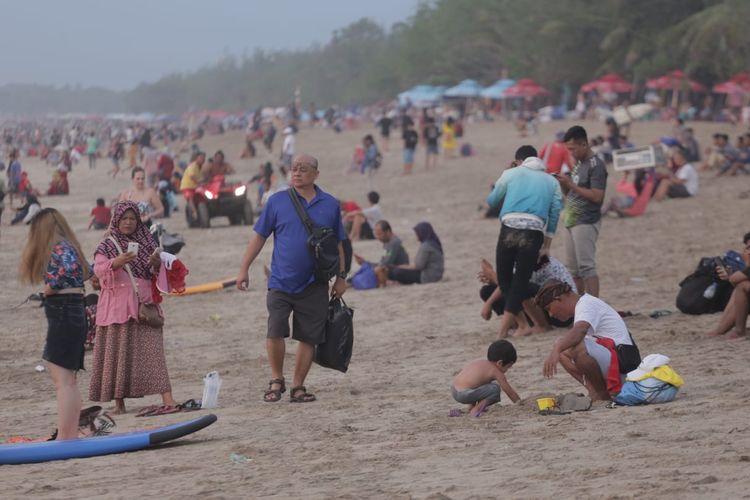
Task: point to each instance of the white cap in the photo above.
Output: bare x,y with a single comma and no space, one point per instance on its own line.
648,364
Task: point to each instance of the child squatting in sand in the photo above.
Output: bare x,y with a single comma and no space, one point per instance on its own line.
478,384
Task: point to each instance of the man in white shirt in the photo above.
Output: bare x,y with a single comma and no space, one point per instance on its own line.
587,350
287,148
363,221
683,183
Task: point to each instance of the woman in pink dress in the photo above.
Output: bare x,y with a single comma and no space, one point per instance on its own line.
129,357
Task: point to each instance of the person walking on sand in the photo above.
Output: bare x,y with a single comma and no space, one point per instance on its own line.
585,189
53,255
292,287
530,200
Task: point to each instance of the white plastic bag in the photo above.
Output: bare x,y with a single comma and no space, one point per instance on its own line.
211,387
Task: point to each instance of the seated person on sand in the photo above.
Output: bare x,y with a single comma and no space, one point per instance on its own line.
429,263
479,382
627,190
360,222
734,317
679,182
26,212
721,156
598,334
395,253
546,269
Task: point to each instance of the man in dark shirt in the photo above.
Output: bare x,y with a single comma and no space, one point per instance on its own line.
431,134
585,189
395,254
411,138
385,124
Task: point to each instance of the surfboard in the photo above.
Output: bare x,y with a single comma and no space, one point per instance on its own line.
28,453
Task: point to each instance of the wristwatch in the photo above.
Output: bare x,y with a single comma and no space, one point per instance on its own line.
342,275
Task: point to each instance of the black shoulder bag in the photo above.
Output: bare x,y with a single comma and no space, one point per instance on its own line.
322,243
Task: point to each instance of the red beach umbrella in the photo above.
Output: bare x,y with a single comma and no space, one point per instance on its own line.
675,80
730,87
611,82
526,88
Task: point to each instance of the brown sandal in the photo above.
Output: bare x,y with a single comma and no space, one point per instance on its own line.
304,397
273,395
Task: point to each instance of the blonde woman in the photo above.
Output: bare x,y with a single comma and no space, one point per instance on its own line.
53,256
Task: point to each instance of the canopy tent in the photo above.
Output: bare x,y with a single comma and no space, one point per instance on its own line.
611,82
526,88
467,88
743,80
675,80
421,95
730,87
497,89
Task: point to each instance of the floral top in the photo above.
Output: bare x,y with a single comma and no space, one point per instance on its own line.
64,269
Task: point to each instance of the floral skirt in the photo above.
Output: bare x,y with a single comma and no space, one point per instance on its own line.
128,362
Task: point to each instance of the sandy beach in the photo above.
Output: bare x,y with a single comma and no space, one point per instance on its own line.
382,430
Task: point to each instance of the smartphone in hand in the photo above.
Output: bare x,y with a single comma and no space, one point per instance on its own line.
133,247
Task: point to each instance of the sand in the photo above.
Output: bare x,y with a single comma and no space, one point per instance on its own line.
382,429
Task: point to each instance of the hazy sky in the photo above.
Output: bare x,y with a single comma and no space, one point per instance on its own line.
117,44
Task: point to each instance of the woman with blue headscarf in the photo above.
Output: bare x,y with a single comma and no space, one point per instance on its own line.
429,263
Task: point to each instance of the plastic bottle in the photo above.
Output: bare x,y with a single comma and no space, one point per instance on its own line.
710,291
211,387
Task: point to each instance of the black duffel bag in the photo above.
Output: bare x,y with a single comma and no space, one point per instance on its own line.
703,292
336,351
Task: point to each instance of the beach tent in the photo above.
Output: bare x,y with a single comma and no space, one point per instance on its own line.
675,80
497,89
467,88
526,88
730,87
611,82
421,96
743,80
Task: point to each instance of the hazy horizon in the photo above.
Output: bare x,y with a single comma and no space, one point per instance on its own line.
118,45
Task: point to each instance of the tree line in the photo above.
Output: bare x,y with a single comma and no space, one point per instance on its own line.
559,43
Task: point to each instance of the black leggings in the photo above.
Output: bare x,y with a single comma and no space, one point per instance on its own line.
516,256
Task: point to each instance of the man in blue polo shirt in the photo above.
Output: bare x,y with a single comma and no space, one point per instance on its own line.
292,287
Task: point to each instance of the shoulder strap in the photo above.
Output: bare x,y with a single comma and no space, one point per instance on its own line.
300,210
127,269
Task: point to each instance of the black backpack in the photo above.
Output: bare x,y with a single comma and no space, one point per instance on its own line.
703,292
322,243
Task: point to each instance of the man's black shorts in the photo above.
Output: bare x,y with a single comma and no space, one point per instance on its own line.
310,308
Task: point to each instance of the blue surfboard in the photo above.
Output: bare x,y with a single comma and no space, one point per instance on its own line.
27,453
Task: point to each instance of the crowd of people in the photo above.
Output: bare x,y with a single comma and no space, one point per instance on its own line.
557,190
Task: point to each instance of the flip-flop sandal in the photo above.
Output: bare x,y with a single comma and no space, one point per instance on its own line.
102,425
190,405
164,410
146,411
302,397
88,415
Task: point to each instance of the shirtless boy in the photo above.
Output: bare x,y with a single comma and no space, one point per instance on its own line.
478,384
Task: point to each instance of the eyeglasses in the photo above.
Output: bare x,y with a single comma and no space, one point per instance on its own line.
302,170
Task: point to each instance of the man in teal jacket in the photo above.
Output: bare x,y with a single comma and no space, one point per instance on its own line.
531,201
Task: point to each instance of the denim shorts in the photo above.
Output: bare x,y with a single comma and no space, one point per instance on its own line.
408,156
66,330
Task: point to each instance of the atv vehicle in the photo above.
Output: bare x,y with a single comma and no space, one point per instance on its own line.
216,198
